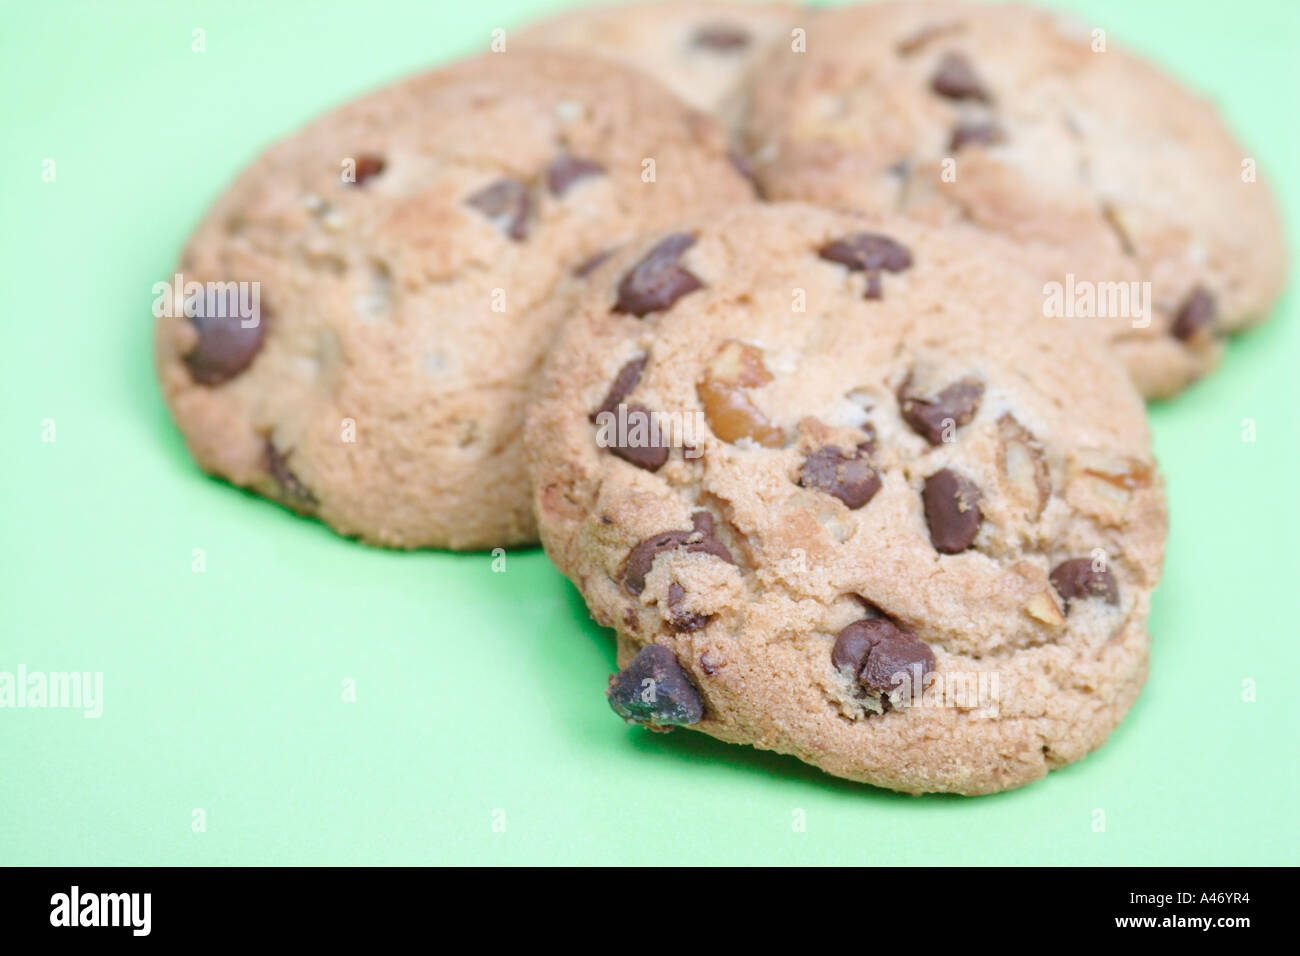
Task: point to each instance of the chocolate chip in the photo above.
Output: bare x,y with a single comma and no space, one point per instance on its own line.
657,281
225,346
743,166
867,251
588,266
875,651
567,170
699,539
892,657
507,203
1198,311
928,417
1077,578
680,619
643,442
624,382
654,689
955,78
952,511
367,167
292,491
983,134
854,643
847,476
721,37
707,665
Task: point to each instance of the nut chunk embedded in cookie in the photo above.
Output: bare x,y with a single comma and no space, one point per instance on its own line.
654,690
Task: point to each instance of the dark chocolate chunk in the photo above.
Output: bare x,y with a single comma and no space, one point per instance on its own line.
957,403
721,37
657,281
655,689
952,511
894,661
875,652
847,476
955,78
699,539
1198,312
624,382
292,491
982,134
566,170
225,347
643,442
507,203
867,251
1078,579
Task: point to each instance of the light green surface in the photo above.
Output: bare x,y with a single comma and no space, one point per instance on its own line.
479,691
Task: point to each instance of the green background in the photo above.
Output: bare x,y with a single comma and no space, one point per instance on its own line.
477,691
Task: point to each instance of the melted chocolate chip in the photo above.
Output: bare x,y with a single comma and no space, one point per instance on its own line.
955,78
867,251
655,689
699,539
624,382
1078,579
876,653
847,476
567,170
854,643
507,203
982,134
367,167
928,417
225,347
1198,312
721,38
292,491
895,661
680,619
643,443
870,253
657,281
951,511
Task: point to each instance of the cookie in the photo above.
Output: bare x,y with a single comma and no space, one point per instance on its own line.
1039,129
403,251
702,51
845,494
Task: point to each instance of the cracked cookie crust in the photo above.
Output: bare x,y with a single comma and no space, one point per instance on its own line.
895,522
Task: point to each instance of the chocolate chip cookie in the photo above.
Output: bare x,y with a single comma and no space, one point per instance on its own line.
846,494
376,289
702,51
1036,128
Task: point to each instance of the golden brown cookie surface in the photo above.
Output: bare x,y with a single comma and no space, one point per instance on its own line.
874,457
402,248
1042,130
